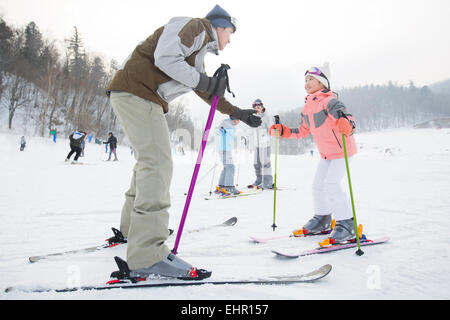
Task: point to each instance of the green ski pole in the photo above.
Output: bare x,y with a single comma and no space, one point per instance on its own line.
277,121
359,252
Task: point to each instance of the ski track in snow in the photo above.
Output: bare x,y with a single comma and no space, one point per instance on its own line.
400,180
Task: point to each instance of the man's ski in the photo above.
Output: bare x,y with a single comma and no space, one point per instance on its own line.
271,280
83,250
118,240
228,196
230,222
295,253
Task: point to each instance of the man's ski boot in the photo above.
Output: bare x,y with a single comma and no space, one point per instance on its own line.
344,232
318,224
172,267
118,238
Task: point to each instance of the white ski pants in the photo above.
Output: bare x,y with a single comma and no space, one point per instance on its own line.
328,195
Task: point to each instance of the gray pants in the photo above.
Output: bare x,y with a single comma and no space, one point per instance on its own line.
145,218
263,168
112,150
227,176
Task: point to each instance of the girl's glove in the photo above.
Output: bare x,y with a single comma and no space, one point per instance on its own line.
344,126
283,131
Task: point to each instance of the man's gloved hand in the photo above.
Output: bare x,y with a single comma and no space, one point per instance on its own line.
247,116
283,131
213,85
344,126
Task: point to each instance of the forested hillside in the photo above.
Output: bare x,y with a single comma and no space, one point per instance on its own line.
44,89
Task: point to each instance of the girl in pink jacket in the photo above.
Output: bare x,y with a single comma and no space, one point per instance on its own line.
326,118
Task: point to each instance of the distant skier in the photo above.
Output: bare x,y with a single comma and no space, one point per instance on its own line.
225,146
112,142
23,143
262,165
75,145
326,118
83,144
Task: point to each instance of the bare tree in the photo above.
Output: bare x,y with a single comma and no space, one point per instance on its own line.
17,95
50,76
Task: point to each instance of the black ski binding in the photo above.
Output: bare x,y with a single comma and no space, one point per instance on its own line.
117,238
123,274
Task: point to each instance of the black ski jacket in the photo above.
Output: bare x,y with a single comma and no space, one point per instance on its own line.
112,141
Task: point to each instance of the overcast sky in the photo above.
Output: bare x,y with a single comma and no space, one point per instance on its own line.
365,41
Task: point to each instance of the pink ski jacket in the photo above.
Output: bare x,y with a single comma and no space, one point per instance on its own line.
319,117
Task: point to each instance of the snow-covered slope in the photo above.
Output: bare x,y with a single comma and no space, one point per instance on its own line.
401,187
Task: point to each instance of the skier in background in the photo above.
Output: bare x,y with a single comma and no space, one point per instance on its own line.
225,146
112,142
83,143
261,163
23,143
326,119
75,145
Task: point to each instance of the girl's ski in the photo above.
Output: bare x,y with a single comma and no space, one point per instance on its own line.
295,253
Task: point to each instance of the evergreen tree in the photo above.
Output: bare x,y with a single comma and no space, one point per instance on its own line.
33,44
6,36
76,56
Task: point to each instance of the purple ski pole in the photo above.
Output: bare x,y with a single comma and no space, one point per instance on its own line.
196,170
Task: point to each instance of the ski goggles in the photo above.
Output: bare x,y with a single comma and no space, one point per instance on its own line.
315,71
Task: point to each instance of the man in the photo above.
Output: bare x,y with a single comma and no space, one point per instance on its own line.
112,141
166,65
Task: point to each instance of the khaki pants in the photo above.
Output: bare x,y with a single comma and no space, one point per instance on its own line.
145,217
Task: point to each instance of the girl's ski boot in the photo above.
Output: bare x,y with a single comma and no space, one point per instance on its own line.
318,224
